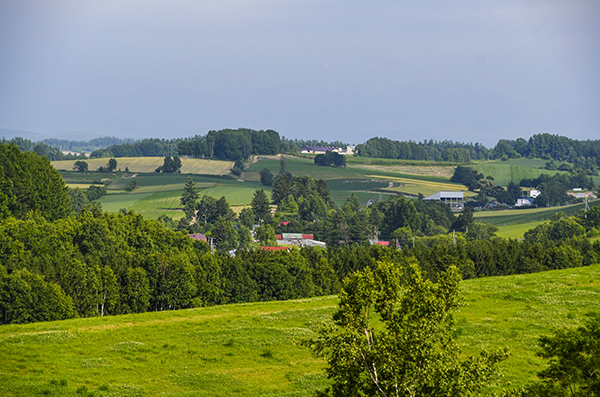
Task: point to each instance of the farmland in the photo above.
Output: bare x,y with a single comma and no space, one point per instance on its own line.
250,349
505,172
367,181
149,164
520,216
375,179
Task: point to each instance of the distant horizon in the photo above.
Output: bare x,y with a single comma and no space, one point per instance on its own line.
40,137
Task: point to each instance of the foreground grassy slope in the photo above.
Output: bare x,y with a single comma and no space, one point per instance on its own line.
249,349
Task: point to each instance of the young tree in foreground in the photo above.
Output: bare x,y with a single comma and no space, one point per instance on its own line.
408,349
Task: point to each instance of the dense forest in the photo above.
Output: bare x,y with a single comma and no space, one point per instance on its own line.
583,154
230,144
455,152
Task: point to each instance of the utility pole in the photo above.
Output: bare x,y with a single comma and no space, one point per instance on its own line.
587,207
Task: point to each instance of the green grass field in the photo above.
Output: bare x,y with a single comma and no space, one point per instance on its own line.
505,172
519,216
250,349
149,164
516,231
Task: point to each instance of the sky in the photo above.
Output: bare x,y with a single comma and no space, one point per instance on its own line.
469,71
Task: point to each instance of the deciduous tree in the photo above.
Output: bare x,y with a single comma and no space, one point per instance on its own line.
393,337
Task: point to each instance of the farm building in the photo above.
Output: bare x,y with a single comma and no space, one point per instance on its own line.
453,199
533,193
321,149
299,239
523,201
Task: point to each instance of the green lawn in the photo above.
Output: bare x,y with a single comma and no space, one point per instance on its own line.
516,231
250,349
115,202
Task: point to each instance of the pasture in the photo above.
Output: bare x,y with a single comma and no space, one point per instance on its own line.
149,164
519,216
251,349
159,194
516,231
505,172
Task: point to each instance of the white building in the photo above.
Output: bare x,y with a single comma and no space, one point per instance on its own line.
523,201
453,199
533,193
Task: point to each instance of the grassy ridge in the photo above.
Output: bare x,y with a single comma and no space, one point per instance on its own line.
249,349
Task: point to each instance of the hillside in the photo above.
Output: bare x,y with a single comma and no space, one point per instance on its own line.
249,349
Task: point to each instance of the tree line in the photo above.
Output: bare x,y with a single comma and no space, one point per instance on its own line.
553,188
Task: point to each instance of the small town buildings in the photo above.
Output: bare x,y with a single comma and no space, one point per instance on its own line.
533,193
453,199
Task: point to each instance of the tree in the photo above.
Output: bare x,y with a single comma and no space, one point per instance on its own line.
260,206
465,219
225,235
330,159
266,177
171,165
80,166
188,198
406,349
266,235
574,367
112,165
28,182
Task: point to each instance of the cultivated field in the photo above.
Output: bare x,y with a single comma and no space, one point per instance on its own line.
159,194
251,350
149,164
520,216
415,186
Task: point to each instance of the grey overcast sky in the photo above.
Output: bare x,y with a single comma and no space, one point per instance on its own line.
472,71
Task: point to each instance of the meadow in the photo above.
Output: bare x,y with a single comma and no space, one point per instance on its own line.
251,350
529,215
159,194
516,231
505,172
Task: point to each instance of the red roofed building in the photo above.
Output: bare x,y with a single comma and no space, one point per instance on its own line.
198,236
273,249
384,243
